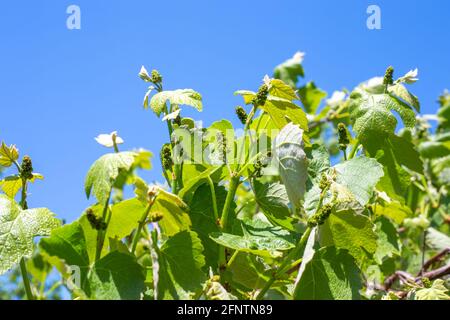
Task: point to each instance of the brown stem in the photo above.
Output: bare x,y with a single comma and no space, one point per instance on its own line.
433,260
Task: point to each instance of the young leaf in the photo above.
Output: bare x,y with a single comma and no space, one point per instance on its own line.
372,117
311,97
288,151
116,276
8,155
351,231
359,175
331,275
180,262
104,171
67,244
18,228
274,202
437,291
176,97
260,238
290,70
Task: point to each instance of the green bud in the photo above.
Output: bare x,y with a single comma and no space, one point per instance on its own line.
156,216
324,182
97,223
156,77
343,136
242,115
261,96
166,157
389,76
27,168
321,216
426,282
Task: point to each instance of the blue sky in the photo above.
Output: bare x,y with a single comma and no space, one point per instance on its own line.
60,88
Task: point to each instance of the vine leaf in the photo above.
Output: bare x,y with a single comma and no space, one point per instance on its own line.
187,97
351,231
12,184
260,238
180,262
359,175
372,117
104,171
274,202
18,228
437,291
311,97
116,276
331,275
288,151
8,155
282,111
290,70
174,210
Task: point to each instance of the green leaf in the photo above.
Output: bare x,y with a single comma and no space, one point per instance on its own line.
292,161
399,91
388,242
372,117
437,240
289,71
311,97
11,185
174,211
178,97
331,275
281,111
125,218
393,210
351,231
104,171
437,291
8,155
434,149
359,175
116,276
203,220
260,238
68,244
249,271
274,202
180,262
281,90
318,160
18,228
405,153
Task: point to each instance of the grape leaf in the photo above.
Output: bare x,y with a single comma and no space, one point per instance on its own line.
18,228
274,202
8,155
311,97
372,117
260,238
359,175
351,231
292,161
104,171
180,262
331,275
289,71
116,276
176,97
437,291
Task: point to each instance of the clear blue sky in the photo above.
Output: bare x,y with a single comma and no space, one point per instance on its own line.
60,88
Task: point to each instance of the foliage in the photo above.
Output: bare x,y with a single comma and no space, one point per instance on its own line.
343,198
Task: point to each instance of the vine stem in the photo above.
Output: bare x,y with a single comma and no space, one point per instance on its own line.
286,264
354,150
140,226
101,233
26,281
23,266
